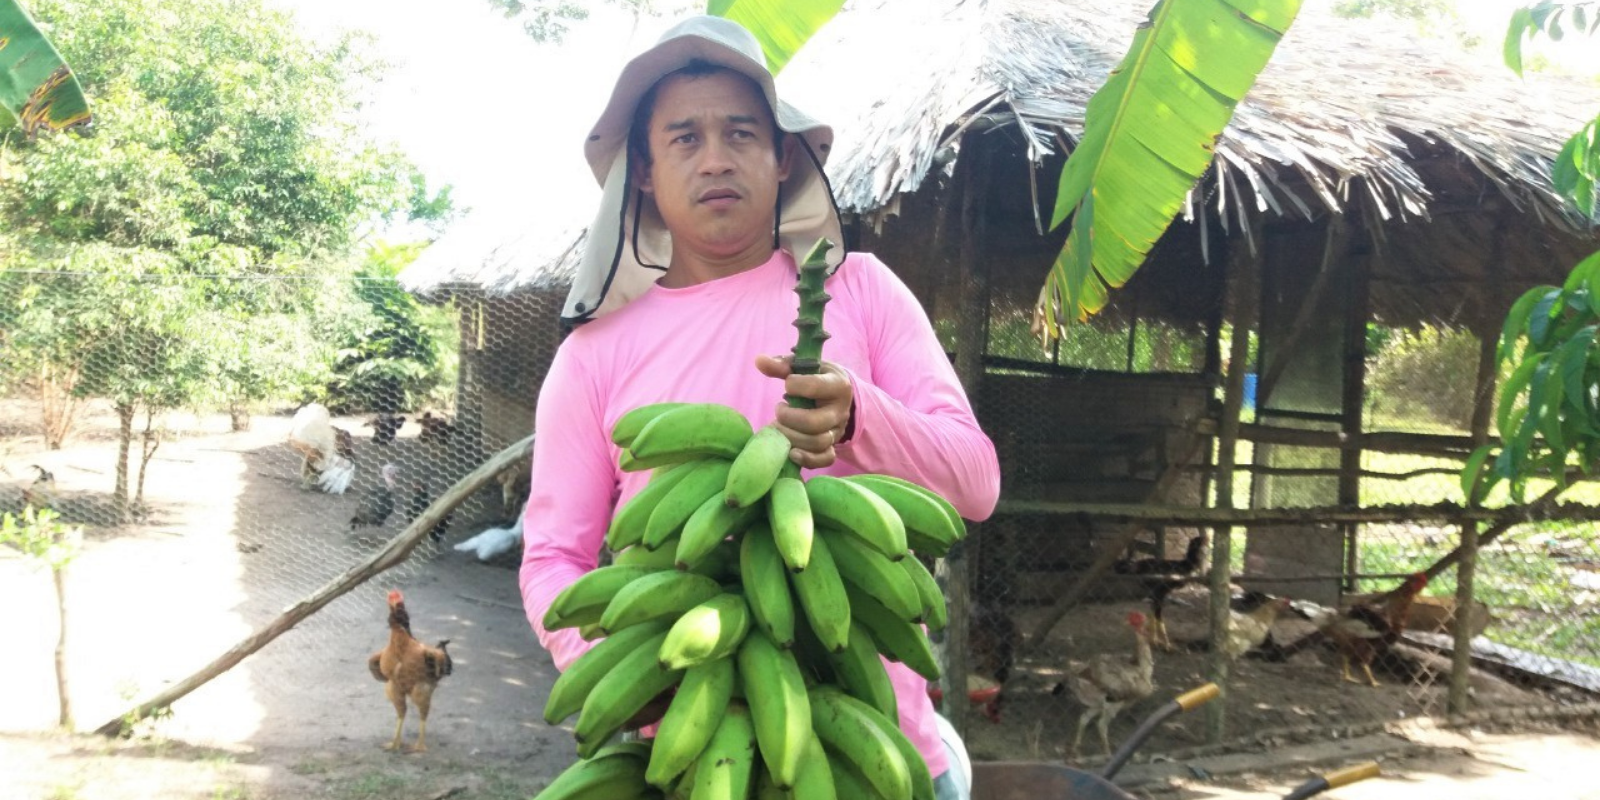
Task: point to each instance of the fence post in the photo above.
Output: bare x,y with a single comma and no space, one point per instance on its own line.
1458,701
972,339
1245,297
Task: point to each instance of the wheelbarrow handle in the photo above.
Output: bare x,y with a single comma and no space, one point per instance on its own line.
1333,780
1197,697
1188,701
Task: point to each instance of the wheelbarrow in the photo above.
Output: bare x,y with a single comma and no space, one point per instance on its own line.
1030,780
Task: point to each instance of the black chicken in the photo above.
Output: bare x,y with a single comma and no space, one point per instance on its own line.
1160,576
378,504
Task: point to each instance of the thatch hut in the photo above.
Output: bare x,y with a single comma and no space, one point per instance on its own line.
1367,177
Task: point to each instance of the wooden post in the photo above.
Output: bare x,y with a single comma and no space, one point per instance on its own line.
1458,700
391,555
1245,297
972,336
1354,391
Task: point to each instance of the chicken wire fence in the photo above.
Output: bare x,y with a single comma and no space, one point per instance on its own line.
1109,416
228,446
208,402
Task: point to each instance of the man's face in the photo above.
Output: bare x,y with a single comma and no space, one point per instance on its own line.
715,172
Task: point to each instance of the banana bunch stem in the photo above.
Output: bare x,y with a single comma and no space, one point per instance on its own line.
808,348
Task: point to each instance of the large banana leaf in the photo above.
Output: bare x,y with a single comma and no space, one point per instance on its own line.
37,90
782,26
1149,134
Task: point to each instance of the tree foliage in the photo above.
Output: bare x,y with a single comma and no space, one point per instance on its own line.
1548,411
199,248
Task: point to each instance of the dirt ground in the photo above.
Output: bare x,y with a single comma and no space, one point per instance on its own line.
230,539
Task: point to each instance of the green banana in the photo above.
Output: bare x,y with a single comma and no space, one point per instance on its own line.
638,555
704,481
684,784
766,585
572,688
921,509
613,773
898,639
594,589
847,780
789,512
858,670
822,597
844,725
934,611
757,466
690,720
856,510
767,790
921,779
710,631
875,574
628,524
656,595
691,433
815,781
636,680
631,422
725,767
776,693
712,523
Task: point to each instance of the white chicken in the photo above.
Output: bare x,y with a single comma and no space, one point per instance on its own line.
313,435
494,541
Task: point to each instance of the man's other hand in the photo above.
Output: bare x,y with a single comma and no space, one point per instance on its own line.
812,431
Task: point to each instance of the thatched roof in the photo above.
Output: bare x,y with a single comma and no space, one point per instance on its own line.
1341,100
1349,113
495,259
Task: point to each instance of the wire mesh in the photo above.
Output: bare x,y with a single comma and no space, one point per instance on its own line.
188,440
1100,418
221,527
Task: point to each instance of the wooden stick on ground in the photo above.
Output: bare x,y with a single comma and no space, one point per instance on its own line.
392,554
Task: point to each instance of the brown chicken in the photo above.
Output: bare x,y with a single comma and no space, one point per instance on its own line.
1367,630
408,669
1108,683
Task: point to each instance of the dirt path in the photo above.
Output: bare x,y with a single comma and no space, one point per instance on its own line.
230,540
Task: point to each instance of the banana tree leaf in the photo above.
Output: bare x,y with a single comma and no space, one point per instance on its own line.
37,90
782,26
1149,135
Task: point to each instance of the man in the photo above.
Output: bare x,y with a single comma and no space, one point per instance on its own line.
712,187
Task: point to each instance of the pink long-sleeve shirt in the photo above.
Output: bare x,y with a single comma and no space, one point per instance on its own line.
699,344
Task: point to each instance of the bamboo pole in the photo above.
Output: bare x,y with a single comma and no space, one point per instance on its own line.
972,336
392,554
1458,701
1353,393
1246,297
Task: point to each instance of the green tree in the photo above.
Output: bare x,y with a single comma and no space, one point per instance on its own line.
395,352
219,201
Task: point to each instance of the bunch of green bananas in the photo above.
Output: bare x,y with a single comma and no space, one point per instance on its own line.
761,601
